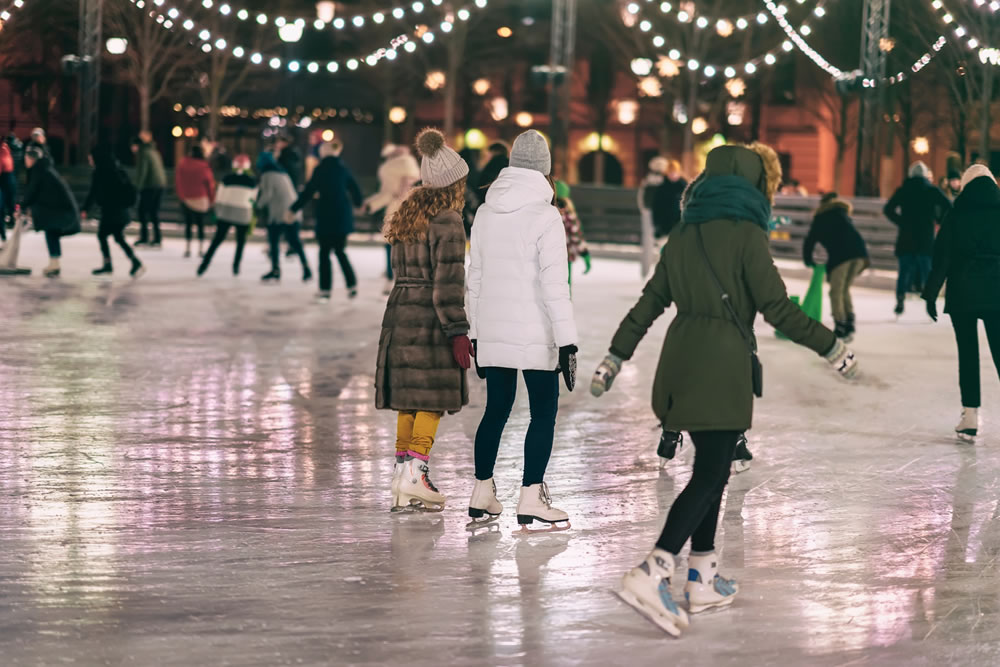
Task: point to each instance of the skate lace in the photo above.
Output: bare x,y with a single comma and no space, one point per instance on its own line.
427,478
543,495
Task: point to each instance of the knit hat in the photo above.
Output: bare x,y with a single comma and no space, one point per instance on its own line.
531,151
658,165
37,132
330,149
440,166
954,173
976,171
920,169
389,149
241,162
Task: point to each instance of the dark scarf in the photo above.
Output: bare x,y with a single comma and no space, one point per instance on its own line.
725,197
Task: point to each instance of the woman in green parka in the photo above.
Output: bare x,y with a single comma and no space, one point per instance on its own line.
704,381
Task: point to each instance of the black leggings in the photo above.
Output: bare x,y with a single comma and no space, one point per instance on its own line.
337,245
221,229
192,218
275,231
695,512
149,212
966,327
113,224
543,399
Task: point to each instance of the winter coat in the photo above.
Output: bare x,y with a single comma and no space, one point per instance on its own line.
667,205
112,190
149,171
416,369
491,172
915,207
519,301
703,381
276,195
291,162
338,194
195,184
396,177
576,245
235,198
832,228
6,158
50,199
967,252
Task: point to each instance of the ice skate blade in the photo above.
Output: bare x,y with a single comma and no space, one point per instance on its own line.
741,466
965,437
724,603
489,525
661,621
483,520
416,505
551,526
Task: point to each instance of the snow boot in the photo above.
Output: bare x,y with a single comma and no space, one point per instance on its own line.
646,588
706,588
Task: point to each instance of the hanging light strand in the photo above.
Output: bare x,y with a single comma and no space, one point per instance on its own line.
686,13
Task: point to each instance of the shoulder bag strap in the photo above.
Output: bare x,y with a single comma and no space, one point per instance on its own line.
747,336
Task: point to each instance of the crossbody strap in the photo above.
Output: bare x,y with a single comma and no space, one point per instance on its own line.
747,336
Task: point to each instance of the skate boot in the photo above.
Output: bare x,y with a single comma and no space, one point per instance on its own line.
416,490
706,588
484,508
323,296
968,428
397,475
53,269
670,442
900,305
842,330
646,589
742,456
535,503
272,275
851,329
138,270
103,271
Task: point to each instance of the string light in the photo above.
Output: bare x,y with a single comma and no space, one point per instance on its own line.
961,32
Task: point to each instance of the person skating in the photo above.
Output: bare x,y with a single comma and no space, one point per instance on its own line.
275,197
234,204
833,229
965,255
498,161
39,140
8,188
718,269
915,208
195,187
113,191
338,196
576,244
288,158
396,177
54,210
424,348
667,200
151,181
522,321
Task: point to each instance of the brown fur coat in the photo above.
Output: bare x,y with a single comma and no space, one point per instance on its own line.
416,369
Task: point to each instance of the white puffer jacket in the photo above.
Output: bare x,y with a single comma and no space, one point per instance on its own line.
519,304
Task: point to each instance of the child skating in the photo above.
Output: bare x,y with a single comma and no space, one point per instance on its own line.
719,272
424,348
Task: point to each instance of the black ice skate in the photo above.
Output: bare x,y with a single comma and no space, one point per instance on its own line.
670,442
742,456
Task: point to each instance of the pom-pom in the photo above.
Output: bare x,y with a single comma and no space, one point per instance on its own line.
429,142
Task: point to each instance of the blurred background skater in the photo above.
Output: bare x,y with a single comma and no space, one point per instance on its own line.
576,244
8,188
966,256
113,191
38,140
522,321
847,257
53,207
276,194
234,208
424,348
915,207
195,187
338,195
396,177
667,199
499,160
151,181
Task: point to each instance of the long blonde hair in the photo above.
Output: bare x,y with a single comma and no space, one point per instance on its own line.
409,224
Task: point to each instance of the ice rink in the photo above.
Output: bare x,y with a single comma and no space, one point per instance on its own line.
193,473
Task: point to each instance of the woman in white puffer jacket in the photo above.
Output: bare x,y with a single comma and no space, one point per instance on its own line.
521,320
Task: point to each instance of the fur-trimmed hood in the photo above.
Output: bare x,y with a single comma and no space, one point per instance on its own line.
831,204
757,163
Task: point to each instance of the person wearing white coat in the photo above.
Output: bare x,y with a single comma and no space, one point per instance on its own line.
396,177
521,320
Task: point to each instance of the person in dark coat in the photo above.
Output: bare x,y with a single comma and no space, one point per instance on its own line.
704,383
667,200
499,160
289,159
915,208
53,208
967,256
113,191
847,255
339,195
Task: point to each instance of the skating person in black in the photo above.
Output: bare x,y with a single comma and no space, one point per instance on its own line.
113,191
52,205
234,203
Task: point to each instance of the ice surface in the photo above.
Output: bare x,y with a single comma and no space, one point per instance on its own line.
193,473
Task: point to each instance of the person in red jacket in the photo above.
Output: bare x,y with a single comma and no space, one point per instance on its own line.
195,187
8,187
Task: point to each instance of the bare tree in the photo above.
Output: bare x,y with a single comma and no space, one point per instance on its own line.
156,57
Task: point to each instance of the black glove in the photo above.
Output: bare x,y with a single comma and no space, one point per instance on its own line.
567,364
932,309
479,371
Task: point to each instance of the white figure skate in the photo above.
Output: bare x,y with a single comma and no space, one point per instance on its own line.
705,588
646,589
968,427
484,508
415,490
397,474
536,504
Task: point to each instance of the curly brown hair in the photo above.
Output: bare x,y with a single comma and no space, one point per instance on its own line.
409,224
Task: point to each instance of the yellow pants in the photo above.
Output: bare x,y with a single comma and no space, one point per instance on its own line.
415,432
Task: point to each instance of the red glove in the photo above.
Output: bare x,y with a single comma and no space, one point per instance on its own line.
461,348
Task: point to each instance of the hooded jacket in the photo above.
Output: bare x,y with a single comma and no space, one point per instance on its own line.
338,195
50,199
396,177
149,172
235,198
967,252
277,192
703,381
832,228
110,186
914,208
519,302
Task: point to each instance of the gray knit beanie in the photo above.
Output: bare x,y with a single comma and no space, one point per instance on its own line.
920,169
531,151
440,166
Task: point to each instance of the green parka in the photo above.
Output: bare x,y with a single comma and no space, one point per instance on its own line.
703,379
